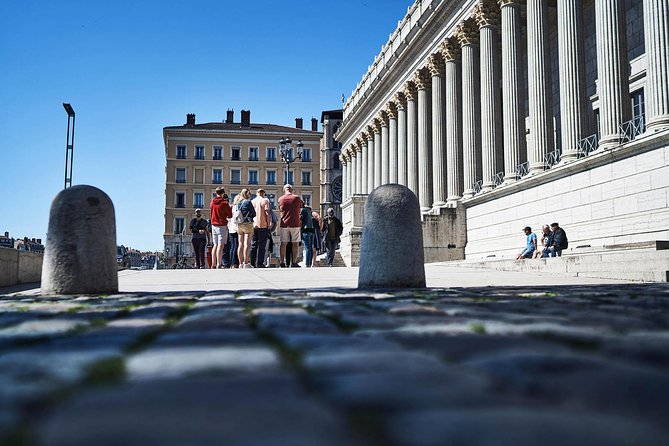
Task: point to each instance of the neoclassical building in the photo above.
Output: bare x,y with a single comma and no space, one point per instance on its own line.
499,114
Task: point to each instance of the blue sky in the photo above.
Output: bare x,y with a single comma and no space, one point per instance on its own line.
130,68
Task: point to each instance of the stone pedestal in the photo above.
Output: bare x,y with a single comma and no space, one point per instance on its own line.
353,211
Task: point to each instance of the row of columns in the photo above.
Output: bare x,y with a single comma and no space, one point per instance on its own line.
446,129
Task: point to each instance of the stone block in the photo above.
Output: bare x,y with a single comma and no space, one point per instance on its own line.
637,183
623,168
625,205
659,178
603,209
654,199
613,189
649,160
601,174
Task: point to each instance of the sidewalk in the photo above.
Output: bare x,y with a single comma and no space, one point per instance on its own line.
549,364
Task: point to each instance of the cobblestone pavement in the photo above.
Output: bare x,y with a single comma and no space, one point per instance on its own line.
577,365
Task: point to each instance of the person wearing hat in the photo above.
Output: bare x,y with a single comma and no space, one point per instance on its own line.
290,206
332,230
198,227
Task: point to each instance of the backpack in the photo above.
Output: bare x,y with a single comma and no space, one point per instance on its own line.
245,215
307,220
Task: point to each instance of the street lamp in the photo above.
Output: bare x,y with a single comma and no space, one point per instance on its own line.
286,151
69,148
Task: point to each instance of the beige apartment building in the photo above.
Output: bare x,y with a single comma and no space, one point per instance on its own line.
235,155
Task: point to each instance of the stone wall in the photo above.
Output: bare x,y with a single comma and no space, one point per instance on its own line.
18,266
445,235
611,197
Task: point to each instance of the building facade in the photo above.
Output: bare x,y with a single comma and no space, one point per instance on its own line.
499,114
331,179
235,155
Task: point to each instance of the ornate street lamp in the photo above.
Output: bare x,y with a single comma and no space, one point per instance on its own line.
286,152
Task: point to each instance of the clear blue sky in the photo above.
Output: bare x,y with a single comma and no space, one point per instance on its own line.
130,68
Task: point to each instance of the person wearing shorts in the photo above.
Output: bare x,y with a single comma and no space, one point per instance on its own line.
290,206
245,228
220,212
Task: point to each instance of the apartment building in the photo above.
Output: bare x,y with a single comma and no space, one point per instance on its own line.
235,155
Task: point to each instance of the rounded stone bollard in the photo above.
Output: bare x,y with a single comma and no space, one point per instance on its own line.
80,254
391,255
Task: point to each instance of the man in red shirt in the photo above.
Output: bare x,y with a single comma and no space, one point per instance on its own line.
220,212
290,206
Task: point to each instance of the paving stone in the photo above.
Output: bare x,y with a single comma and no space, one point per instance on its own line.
40,328
520,427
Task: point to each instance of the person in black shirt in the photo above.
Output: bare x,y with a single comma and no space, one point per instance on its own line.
198,227
558,242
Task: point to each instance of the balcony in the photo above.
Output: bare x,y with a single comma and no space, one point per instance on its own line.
235,182
180,205
253,181
217,158
306,183
198,205
235,158
181,156
181,180
631,129
198,157
253,158
271,158
216,181
271,182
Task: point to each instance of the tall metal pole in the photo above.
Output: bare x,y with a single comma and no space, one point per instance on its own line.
69,147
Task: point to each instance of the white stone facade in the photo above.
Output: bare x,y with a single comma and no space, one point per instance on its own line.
496,108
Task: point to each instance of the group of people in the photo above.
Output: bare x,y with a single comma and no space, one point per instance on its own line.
553,239
241,233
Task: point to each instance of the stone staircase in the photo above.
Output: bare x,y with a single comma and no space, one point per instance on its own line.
321,260
643,261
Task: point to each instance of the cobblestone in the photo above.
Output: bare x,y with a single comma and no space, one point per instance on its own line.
466,366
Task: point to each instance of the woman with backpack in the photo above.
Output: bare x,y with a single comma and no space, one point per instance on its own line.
245,228
307,230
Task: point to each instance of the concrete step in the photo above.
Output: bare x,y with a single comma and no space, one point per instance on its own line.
321,260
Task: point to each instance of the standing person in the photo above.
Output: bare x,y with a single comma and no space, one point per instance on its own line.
261,229
220,213
332,230
307,229
559,241
317,234
290,206
232,233
530,244
198,227
245,228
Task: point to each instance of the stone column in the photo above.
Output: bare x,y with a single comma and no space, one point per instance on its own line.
451,52
513,85
572,77
378,161
354,169
436,67
364,182
385,147
370,159
344,176
467,34
423,82
540,93
612,72
401,103
487,18
656,33
391,110
412,137
358,167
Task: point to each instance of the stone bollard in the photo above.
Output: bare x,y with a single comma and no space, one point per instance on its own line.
80,254
391,255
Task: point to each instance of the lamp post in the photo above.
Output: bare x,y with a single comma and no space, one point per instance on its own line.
286,152
69,147
167,256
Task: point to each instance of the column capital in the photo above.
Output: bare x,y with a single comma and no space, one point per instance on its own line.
358,145
487,13
400,100
467,32
450,49
368,134
382,118
435,64
503,3
422,79
391,110
410,91
376,126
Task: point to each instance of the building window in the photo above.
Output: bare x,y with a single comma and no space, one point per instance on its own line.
638,106
235,153
181,152
253,177
271,177
272,200
253,153
307,199
198,199
199,153
335,161
235,176
180,200
306,178
306,155
288,177
181,174
218,153
271,154
217,176
178,225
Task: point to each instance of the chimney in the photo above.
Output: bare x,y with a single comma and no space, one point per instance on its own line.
39,240
230,116
246,118
314,124
190,119
298,123
6,234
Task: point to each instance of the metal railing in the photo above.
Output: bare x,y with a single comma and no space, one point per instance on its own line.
498,179
551,159
477,186
217,157
587,145
216,181
523,169
181,180
631,129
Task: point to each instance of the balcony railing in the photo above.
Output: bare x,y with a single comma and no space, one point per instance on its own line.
217,158
181,180
181,156
180,205
498,179
235,158
631,129
197,205
587,145
551,159
271,182
216,181
253,158
235,182
198,157
306,183
271,158
477,186
253,181
523,169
